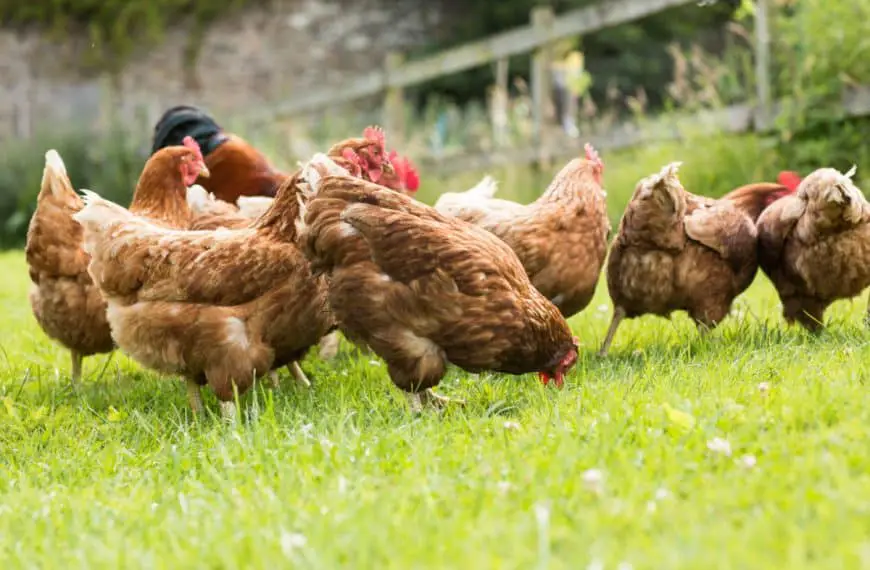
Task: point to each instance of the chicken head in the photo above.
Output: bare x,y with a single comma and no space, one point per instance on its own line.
565,363
597,163
193,164
374,154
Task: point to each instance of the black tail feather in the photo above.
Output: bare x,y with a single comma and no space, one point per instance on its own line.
185,120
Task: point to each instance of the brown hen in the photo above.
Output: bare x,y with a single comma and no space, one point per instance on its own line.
677,251
65,302
423,289
815,245
561,238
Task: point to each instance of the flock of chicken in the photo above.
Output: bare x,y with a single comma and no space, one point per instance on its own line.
223,269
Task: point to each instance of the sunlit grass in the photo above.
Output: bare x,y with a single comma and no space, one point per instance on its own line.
118,474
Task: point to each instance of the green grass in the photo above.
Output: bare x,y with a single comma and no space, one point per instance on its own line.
119,475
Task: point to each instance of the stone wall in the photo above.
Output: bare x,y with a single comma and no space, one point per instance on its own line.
246,62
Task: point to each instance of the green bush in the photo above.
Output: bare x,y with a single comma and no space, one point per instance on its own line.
108,164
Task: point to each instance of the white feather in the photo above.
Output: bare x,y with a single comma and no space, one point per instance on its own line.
55,162
300,219
254,206
198,198
486,188
477,197
54,175
669,171
99,212
312,174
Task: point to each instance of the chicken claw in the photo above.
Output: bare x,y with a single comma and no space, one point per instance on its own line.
194,397
618,315
430,398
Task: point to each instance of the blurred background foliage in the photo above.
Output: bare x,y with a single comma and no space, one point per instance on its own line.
685,59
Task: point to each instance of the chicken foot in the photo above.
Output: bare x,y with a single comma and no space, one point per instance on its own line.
618,315
274,379
228,411
76,374
194,398
417,400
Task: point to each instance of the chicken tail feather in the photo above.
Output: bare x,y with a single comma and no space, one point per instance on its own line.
319,167
666,187
486,188
54,177
99,212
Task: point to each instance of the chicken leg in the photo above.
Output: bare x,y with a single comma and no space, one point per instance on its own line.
298,375
194,397
618,315
329,346
228,411
76,374
274,379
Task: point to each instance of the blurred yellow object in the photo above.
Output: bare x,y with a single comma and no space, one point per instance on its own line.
682,420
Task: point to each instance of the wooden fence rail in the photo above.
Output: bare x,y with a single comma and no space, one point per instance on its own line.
518,41
537,38
734,119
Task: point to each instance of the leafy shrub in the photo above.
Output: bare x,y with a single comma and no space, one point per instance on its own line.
108,164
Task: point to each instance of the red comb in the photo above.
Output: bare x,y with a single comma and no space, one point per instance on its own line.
375,134
190,143
592,155
789,179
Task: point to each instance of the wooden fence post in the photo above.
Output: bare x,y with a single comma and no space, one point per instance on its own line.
763,118
542,19
394,103
500,102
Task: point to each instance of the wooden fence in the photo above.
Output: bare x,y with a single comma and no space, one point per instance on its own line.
537,38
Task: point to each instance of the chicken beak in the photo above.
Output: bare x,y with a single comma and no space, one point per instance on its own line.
559,380
203,171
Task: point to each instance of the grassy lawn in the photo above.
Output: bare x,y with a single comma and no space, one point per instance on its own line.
744,450
614,471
